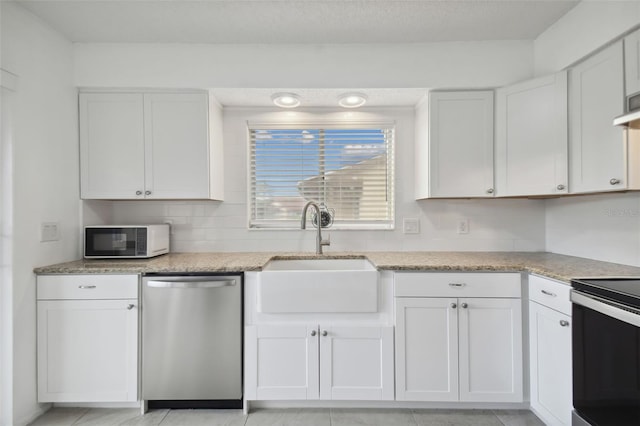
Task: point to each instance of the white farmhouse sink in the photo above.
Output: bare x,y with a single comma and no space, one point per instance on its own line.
318,286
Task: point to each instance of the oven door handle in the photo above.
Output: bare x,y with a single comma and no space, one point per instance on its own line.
607,307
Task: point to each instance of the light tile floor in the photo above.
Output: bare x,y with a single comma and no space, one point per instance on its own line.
286,417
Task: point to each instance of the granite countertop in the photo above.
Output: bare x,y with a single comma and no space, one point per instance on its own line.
557,266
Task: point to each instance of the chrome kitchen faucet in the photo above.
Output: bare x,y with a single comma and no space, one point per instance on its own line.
303,225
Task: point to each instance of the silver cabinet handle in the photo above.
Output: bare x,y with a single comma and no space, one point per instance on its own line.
313,332
564,323
614,181
86,287
130,306
210,283
324,332
490,191
457,284
453,306
464,306
561,187
138,192
147,192
548,293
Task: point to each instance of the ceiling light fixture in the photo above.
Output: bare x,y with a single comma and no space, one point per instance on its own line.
286,100
352,100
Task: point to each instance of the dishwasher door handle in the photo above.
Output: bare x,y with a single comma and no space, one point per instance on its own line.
191,284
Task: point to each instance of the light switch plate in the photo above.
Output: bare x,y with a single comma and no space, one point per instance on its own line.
463,226
49,231
411,225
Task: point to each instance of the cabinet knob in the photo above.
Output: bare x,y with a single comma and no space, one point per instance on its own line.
86,287
453,306
561,187
130,306
614,181
324,332
313,332
490,191
464,306
564,323
138,192
147,192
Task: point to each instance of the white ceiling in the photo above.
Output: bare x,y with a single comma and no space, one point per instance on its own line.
300,21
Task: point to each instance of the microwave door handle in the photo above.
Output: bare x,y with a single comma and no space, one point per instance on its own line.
208,283
607,307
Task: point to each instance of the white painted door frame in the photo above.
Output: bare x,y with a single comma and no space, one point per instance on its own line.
8,85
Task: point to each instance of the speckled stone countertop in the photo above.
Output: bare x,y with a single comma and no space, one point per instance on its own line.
556,266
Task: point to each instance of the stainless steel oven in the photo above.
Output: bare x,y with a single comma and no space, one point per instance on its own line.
606,352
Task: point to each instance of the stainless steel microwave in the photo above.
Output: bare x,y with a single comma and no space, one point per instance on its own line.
125,241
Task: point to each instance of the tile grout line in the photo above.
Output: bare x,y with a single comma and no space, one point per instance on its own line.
81,416
163,417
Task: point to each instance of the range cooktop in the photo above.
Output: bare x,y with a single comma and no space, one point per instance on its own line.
625,290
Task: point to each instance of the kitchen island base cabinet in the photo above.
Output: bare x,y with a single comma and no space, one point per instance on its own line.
87,348
458,348
288,362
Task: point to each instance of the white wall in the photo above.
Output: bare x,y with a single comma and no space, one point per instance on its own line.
45,177
429,65
602,227
222,226
585,28
606,226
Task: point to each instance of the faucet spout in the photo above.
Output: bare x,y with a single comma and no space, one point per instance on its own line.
303,225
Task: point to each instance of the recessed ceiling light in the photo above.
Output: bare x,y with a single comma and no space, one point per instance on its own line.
352,100
286,100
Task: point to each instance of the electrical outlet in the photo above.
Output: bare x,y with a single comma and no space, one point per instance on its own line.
49,231
411,226
463,226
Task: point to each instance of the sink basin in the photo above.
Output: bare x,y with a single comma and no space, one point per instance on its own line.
318,286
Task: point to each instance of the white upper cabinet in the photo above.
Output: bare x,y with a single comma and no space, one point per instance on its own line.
632,63
112,145
455,154
597,148
531,137
148,146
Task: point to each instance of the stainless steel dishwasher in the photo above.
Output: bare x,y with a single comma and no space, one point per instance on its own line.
192,341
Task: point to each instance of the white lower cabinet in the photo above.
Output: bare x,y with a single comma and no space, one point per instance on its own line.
458,348
87,336
285,362
550,351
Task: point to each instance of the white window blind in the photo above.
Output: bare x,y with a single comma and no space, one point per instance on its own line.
349,168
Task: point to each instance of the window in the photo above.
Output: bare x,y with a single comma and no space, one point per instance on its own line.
349,168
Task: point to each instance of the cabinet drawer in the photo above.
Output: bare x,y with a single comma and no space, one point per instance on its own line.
550,293
457,284
52,287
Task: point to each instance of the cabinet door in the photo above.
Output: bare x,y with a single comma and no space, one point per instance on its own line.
356,363
550,358
490,338
111,145
632,63
531,137
87,350
461,144
281,362
426,349
177,150
597,147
